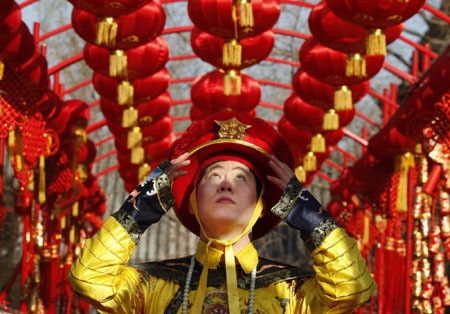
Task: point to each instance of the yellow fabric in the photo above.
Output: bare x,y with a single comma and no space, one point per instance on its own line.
101,276
212,259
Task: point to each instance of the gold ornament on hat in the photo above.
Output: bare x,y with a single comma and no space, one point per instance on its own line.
232,128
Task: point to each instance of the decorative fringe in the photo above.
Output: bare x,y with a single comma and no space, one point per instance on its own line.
403,163
300,173
2,69
310,162
232,53
134,137
72,235
366,232
330,120
41,189
144,171
106,32
118,64
246,15
355,65
129,117
343,98
63,222
137,155
423,169
15,140
232,83
318,144
375,42
82,172
80,134
75,210
125,93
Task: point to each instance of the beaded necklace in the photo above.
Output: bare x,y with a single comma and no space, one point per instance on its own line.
188,283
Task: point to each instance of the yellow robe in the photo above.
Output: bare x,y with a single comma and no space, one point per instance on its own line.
100,274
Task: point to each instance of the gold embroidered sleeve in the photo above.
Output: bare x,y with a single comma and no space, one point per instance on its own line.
342,282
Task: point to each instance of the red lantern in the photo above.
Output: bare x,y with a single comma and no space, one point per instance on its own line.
74,112
196,114
108,7
329,66
133,29
320,94
148,112
390,142
10,21
210,49
216,17
144,89
36,70
19,48
207,94
131,64
333,32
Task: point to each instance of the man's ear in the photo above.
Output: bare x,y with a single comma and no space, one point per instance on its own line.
263,212
191,211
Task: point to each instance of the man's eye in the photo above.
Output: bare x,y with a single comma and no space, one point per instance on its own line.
241,177
214,175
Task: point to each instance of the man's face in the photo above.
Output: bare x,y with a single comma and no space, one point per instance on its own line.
226,198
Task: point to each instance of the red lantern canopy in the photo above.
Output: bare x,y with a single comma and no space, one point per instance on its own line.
134,29
10,21
131,64
210,49
207,94
147,112
216,17
143,90
108,7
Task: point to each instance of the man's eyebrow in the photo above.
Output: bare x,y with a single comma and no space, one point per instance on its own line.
247,171
213,167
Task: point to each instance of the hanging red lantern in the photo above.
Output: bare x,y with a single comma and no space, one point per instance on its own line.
147,112
130,64
323,95
20,48
389,143
207,94
197,114
252,50
141,90
107,7
36,70
308,117
216,17
10,21
74,112
333,32
329,66
134,29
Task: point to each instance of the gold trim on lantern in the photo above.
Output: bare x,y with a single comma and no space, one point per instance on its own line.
330,120
137,155
134,137
376,42
129,117
246,14
300,173
125,93
355,65
232,83
232,53
310,162
144,171
343,98
118,64
106,32
318,143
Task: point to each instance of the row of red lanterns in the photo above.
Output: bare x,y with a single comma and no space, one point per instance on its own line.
127,54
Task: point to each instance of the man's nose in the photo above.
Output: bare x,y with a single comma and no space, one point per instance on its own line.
225,186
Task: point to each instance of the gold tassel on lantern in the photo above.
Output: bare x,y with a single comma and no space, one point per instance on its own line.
232,83
82,172
134,137
41,190
300,173
2,69
402,165
137,155
310,162
343,98
355,65
375,42
318,144
129,117
246,14
125,93
144,171
75,209
330,120
232,53
106,32
17,139
118,64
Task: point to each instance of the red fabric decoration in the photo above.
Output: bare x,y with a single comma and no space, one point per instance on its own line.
207,94
134,29
320,94
196,114
150,133
36,70
308,117
215,17
142,61
329,65
19,48
210,48
389,142
108,7
148,112
10,21
74,112
145,89
333,32
375,14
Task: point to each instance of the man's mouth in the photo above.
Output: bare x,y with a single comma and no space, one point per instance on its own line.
225,200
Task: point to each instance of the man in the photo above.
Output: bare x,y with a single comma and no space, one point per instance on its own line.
232,186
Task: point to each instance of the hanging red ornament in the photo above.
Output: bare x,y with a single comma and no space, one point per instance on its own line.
389,143
134,29
227,19
130,64
36,70
251,50
207,94
108,7
19,48
74,112
142,90
10,22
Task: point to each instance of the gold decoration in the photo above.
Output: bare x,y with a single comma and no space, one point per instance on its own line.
232,128
125,93
310,162
129,117
246,14
2,69
232,53
318,144
118,64
300,173
137,155
343,98
330,120
376,42
41,189
355,65
106,32
144,171
232,83
134,137
403,163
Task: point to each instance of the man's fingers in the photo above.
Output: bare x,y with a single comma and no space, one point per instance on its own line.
180,158
280,183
